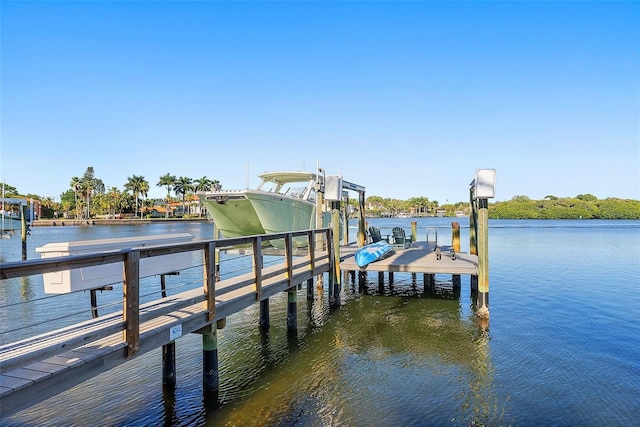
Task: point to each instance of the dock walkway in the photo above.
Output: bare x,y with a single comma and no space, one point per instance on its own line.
419,258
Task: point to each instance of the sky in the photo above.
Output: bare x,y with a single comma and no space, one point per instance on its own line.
407,99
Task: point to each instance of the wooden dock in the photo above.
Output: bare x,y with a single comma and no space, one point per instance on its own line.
36,368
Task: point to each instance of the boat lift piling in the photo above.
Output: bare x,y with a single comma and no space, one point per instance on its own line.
26,219
482,188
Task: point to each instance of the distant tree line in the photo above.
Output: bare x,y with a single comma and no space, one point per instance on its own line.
88,197
583,206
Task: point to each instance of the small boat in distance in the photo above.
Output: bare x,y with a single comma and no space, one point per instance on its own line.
283,201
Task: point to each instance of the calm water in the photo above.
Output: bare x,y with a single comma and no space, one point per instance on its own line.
562,347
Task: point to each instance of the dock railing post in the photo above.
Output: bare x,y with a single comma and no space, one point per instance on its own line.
257,266
210,280
131,309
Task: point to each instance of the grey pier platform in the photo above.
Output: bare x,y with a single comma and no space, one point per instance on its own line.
419,258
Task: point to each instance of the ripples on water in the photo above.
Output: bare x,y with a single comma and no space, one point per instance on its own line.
561,349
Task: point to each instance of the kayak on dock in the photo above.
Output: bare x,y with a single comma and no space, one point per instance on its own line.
372,252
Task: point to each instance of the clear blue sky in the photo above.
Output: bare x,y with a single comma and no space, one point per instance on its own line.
405,98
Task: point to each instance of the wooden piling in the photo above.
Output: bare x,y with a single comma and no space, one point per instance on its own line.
264,314
310,289
169,365
483,259
23,220
292,309
455,236
345,220
414,231
335,220
455,246
210,373
473,226
362,236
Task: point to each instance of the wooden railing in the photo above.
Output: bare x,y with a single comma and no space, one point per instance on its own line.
128,321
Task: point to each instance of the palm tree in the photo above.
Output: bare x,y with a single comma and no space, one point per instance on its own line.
182,186
202,184
137,185
215,185
75,185
144,191
89,185
167,181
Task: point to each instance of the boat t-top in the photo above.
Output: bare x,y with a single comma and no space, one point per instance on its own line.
283,201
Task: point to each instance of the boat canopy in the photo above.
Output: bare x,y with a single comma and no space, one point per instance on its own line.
287,176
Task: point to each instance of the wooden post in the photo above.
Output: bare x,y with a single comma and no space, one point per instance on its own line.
264,314
94,303
473,227
217,235
311,244
483,259
345,221
319,216
163,286
210,376
455,246
335,220
455,236
169,365
473,241
331,273
292,309
23,220
414,231
209,272
131,293
361,222
257,266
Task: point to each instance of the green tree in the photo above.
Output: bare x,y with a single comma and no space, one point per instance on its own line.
202,184
587,197
76,187
89,185
167,181
137,185
182,186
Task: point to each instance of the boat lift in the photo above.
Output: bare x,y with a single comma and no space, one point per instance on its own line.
27,216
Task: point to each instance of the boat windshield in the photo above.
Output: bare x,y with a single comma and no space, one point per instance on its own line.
291,189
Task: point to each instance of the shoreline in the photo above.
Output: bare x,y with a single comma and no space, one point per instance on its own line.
129,221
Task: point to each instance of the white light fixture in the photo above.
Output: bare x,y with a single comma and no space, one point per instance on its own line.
484,184
333,188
